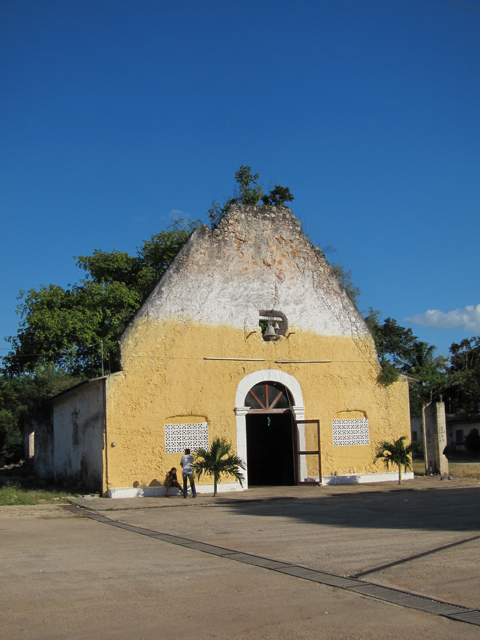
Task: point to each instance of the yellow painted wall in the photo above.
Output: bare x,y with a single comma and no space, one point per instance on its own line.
165,377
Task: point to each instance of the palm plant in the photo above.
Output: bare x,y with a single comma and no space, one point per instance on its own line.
396,453
218,460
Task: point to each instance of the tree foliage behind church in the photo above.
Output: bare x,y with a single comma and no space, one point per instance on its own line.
465,363
24,395
456,381
66,326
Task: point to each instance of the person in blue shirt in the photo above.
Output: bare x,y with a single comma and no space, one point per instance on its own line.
186,464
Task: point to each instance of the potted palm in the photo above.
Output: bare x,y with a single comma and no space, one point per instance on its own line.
218,460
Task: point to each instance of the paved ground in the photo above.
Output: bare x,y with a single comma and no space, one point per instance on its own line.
65,576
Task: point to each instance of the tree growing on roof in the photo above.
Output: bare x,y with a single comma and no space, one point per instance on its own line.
278,196
345,278
250,193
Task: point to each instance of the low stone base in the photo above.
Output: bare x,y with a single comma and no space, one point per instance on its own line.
226,487
365,478
153,492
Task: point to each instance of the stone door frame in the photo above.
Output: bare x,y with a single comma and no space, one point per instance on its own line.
298,409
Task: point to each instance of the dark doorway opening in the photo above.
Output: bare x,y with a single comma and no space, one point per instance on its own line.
270,451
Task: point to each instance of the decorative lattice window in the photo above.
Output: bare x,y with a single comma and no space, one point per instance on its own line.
193,436
350,432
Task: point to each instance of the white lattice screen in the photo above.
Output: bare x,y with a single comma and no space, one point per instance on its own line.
179,437
350,432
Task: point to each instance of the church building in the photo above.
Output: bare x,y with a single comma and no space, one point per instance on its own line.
249,336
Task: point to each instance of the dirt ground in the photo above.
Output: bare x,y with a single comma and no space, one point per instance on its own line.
67,576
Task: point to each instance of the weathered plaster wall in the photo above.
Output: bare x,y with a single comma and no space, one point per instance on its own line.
166,375
207,305
41,427
435,438
78,422
257,258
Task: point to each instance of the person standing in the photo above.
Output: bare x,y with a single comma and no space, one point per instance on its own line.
186,464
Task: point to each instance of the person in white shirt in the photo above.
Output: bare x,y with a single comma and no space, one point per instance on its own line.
186,464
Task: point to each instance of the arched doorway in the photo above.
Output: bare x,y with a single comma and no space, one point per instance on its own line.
242,412
270,437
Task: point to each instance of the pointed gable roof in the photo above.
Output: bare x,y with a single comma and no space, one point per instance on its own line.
257,258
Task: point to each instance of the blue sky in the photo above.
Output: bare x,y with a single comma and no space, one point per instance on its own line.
117,114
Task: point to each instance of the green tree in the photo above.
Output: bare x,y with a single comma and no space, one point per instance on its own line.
393,342
25,395
395,453
388,373
217,461
215,214
430,370
278,196
11,444
456,381
249,192
472,442
422,355
436,376
67,327
140,272
465,362
436,381
400,351
345,278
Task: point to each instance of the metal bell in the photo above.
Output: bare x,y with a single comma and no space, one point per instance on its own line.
270,331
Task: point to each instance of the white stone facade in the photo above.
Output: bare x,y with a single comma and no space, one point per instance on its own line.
254,260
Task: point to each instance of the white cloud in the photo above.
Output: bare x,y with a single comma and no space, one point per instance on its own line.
178,213
468,317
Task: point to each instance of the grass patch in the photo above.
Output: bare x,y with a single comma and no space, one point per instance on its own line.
456,469
14,493
464,469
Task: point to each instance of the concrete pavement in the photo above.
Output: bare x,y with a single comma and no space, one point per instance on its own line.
71,577
303,492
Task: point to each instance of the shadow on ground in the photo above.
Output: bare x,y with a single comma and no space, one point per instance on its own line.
428,510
